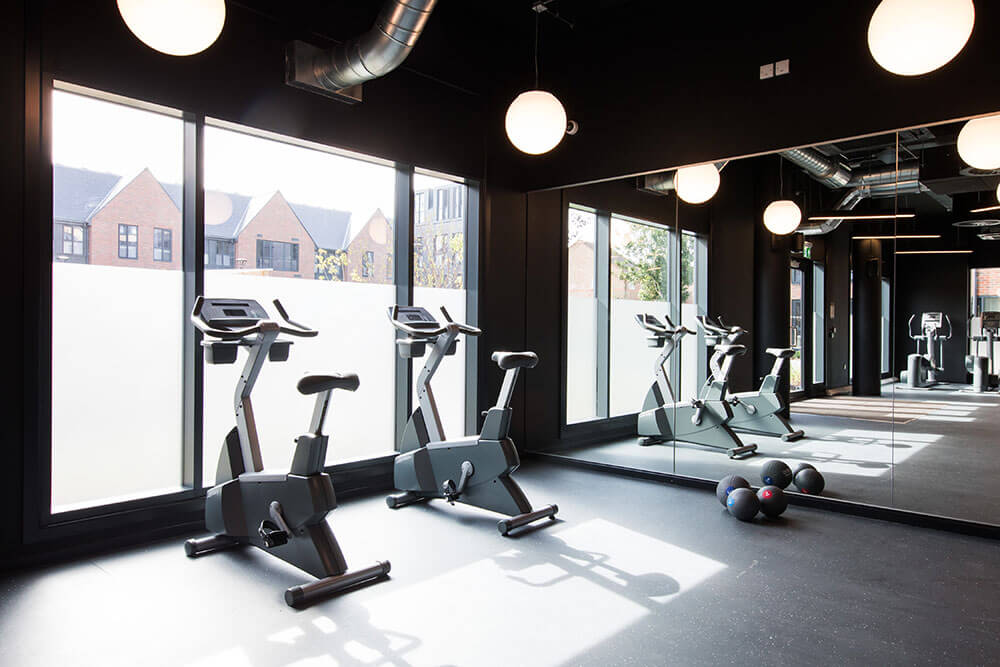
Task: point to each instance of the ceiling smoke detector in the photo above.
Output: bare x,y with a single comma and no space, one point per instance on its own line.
988,222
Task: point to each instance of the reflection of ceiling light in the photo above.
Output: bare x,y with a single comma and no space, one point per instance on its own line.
990,222
696,185
911,37
536,122
782,216
890,237
979,142
933,252
984,209
989,236
863,216
175,27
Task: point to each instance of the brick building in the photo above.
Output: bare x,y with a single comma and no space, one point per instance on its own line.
135,221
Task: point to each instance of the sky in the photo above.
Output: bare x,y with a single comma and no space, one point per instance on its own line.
104,136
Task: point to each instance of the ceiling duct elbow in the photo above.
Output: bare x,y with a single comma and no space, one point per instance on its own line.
340,71
819,166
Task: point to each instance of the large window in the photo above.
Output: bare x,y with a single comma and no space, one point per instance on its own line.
117,324
641,281
283,219
617,268
300,210
583,313
277,255
439,279
819,325
693,353
886,326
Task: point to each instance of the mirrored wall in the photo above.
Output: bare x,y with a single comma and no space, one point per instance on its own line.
703,337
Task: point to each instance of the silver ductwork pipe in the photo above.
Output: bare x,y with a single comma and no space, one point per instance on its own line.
378,51
886,182
340,71
819,166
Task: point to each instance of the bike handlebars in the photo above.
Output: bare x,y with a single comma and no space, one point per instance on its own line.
293,328
662,331
432,332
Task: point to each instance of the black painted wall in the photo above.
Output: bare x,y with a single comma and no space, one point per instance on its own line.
838,294
867,348
12,158
663,84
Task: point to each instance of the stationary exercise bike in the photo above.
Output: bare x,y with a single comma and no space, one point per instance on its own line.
922,369
475,470
281,513
982,329
700,421
754,411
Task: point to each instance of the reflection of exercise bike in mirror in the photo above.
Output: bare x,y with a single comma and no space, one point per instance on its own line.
702,421
760,411
983,329
475,470
283,513
922,369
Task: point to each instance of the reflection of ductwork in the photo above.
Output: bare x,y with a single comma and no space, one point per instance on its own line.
340,71
819,166
886,182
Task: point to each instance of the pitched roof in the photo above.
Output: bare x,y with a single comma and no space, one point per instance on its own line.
76,193
328,227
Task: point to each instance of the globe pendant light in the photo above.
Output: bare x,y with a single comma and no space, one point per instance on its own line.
979,142
175,27
782,217
536,120
911,37
696,185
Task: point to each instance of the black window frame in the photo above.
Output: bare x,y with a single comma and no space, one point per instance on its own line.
216,248
60,239
128,245
287,260
184,508
165,248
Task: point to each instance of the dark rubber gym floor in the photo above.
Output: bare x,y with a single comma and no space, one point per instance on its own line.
636,573
943,462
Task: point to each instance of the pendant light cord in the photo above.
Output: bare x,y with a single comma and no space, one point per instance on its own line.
781,177
536,50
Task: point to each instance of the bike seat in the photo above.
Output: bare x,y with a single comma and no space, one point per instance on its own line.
731,350
509,360
313,384
781,352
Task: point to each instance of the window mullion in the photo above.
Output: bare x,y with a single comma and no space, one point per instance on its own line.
603,310
193,249
403,280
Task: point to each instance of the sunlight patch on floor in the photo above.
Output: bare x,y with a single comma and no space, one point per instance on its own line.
511,609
